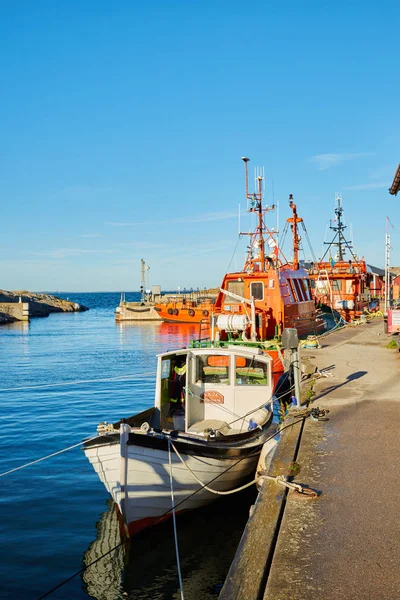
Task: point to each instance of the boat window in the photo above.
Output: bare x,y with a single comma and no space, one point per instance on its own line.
337,285
293,291
257,290
298,289
212,369
165,368
306,283
349,286
254,372
304,288
312,284
236,287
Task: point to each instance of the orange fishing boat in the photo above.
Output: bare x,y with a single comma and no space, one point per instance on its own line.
270,293
256,304
182,308
337,283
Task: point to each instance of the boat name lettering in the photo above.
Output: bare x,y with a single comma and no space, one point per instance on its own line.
212,397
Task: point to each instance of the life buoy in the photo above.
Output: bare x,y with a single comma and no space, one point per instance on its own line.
170,311
205,313
191,312
175,311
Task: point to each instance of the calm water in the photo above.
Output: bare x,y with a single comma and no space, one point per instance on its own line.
59,377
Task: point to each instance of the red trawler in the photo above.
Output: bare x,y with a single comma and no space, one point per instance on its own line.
339,284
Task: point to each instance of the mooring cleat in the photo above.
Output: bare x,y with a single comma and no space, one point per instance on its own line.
305,493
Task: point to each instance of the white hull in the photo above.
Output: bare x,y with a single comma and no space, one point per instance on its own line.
148,490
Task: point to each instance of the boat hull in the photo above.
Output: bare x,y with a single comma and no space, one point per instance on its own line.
146,498
183,313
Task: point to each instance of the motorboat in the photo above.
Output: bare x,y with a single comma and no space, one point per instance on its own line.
213,413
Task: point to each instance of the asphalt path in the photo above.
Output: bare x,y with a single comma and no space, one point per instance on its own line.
346,544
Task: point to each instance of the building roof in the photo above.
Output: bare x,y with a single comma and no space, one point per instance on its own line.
379,272
396,183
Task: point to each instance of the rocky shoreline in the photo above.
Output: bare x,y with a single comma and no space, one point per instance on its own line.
40,305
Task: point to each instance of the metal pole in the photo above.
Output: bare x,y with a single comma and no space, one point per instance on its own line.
295,360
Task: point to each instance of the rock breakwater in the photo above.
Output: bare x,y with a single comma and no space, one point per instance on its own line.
40,305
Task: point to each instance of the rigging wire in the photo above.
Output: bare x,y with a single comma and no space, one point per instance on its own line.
309,242
234,252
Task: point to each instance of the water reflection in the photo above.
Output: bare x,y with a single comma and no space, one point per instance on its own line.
167,336
146,567
103,579
18,327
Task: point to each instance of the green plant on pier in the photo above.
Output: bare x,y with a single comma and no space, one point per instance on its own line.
392,345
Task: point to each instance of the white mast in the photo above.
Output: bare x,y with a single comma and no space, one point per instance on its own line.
387,268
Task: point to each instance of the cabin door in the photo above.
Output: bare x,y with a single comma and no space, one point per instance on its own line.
209,392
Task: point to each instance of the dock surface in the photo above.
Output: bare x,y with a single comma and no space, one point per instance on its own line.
346,543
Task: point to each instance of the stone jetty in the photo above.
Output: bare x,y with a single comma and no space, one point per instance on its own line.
23,305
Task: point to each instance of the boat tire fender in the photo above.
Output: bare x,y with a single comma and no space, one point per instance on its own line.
191,312
205,313
170,311
175,311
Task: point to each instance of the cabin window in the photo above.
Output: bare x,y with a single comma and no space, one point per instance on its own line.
212,369
312,284
337,285
298,289
293,291
349,286
165,368
236,287
257,290
306,286
253,372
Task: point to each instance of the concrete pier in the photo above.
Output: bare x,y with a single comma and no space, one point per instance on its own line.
14,311
346,543
135,311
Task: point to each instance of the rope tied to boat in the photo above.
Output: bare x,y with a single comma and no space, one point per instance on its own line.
171,481
295,487
38,460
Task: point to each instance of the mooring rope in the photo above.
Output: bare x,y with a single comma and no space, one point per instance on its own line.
77,382
38,460
174,520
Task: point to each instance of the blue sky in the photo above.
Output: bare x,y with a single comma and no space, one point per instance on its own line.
122,126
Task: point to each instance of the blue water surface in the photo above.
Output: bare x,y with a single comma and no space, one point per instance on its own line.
59,377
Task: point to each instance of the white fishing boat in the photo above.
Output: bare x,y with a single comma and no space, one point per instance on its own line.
213,413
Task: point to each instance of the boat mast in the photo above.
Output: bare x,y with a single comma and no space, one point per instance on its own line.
341,243
296,238
256,206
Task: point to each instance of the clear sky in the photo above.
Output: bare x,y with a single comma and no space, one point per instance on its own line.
122,125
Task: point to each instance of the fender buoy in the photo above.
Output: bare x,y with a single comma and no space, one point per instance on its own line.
170,311
205,313
175,311
191,312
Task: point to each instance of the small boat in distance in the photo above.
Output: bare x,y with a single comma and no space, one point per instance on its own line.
212,415
337,283
191,307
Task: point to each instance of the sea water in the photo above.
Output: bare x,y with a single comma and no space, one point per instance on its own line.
59,377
